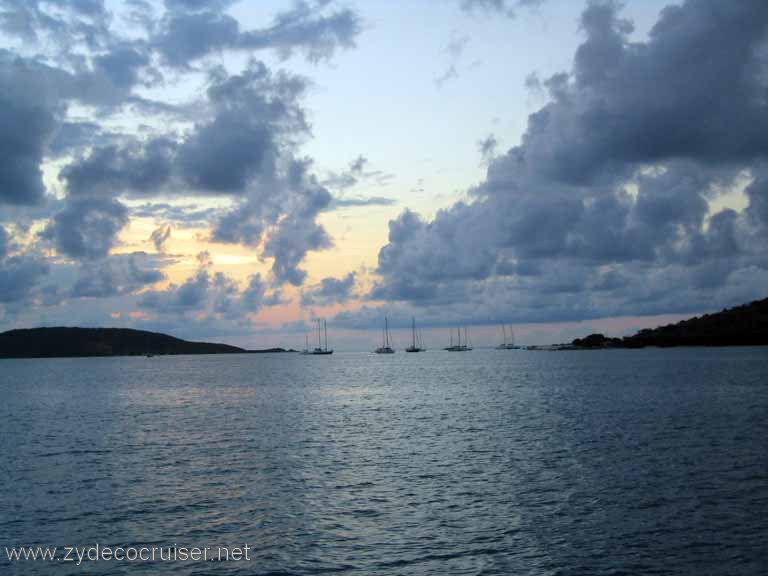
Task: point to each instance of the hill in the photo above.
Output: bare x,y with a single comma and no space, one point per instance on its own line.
745,325
67,342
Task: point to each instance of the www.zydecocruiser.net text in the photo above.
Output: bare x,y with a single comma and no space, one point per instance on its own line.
96,553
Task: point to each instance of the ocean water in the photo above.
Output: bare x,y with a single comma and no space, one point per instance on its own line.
487,462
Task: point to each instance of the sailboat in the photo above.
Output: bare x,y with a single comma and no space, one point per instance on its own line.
460,347
416,344
507,345
321,350
306,344
385,347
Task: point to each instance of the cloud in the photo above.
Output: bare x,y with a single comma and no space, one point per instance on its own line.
605,206
193,30
189,36
210,294
361,201
244,148
329,291
79,21
134,168
487,147
28,120
19,274
257,118
454,50
87,228
4,243
180,215
160,236
116,275
504,7
290,209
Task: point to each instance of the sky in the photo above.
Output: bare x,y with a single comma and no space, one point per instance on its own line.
232,171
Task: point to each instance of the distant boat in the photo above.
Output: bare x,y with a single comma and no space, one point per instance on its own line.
416,343
321,350
459,347
507,345
306,344
385,347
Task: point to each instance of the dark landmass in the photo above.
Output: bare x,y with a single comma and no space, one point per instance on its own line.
745,325
78,342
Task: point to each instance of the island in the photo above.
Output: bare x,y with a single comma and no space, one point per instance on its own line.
62,342
745,325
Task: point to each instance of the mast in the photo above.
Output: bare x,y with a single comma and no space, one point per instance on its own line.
413,331
386,332
325,329
511,336
504,329
318,333
458,332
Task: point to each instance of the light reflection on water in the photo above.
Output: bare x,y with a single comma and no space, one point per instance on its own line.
490,462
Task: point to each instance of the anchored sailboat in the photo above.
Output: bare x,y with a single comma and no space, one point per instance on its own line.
466,347
416,344
385,347
507,344
322,347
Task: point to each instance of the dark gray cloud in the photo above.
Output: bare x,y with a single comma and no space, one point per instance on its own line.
113,170
488,147
604,208
123,64
191,295
244,149
160,236
28,120
256,117
329,291
180,215
34,98
192,30
189,36
117,275
211,294
289,206
298,232
254,295
197,5
253,120
307,28
506,7
454,51
87,228
19,274
137,169
361,201
73,136
4,243
61,21
355,174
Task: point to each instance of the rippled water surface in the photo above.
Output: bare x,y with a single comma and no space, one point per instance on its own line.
488,462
